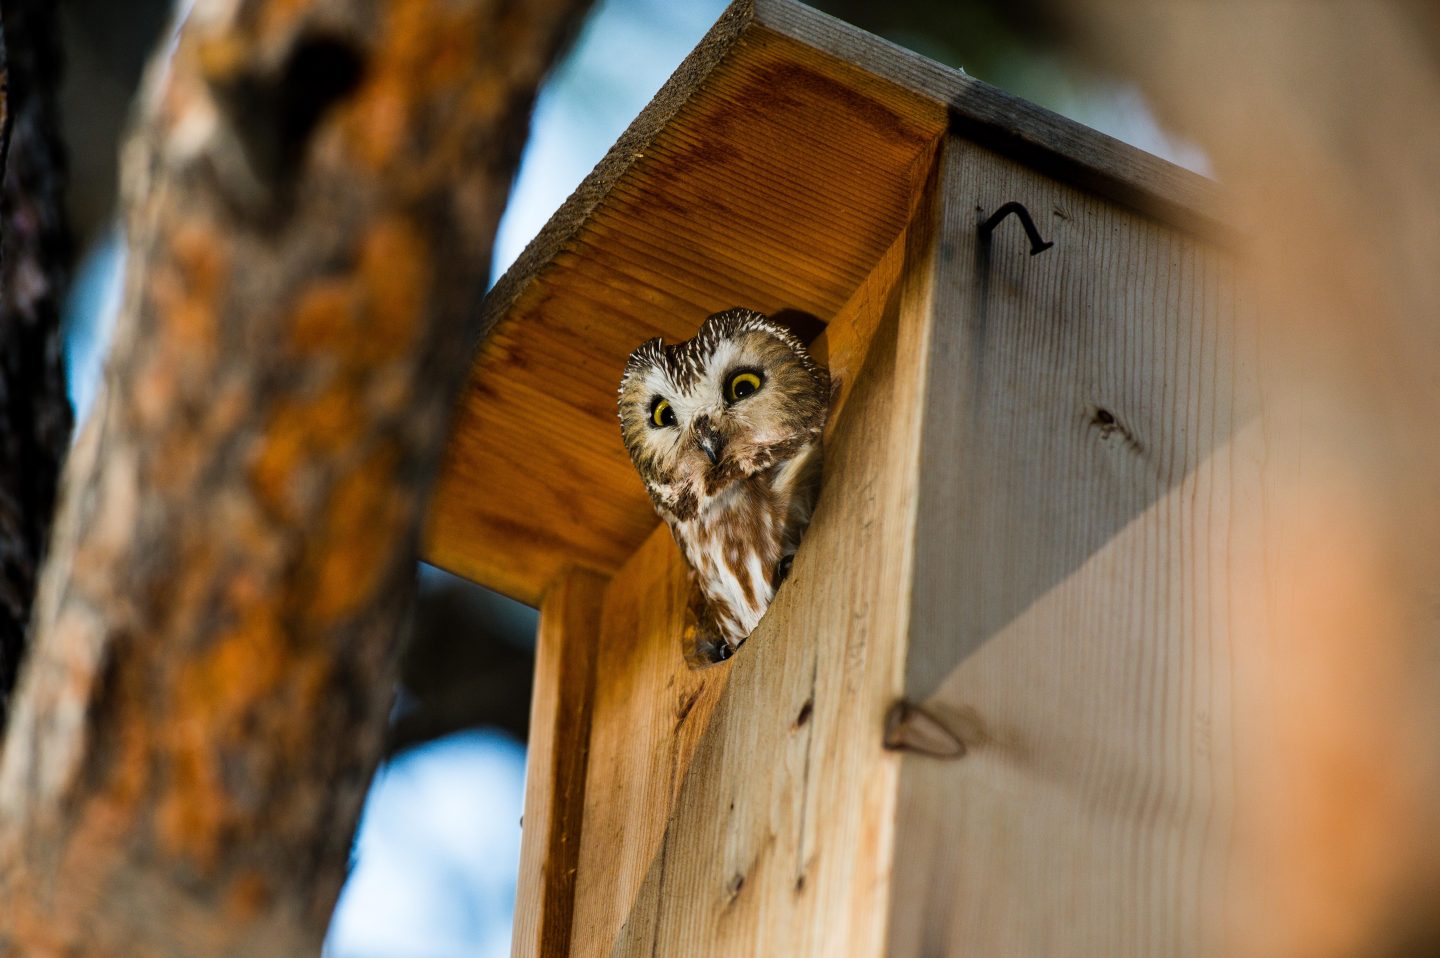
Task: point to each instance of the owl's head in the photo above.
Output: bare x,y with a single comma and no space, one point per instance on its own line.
740,397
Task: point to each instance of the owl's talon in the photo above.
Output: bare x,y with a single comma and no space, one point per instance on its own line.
706,653
782,569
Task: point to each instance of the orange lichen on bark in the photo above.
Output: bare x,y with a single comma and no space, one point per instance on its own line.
363,318
324,318
300,430
184,298
188,293
272,471
395,275
280,17
216,697
249,896
426,51
365,514
155,390
220,57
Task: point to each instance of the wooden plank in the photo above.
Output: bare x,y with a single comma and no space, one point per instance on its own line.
759,823
556,759
744,197
1062,148
1067,625
772,171
1072,624
650,712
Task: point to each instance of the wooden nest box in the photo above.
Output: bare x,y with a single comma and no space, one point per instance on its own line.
967,723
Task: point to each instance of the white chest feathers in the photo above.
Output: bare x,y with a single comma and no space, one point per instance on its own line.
734,546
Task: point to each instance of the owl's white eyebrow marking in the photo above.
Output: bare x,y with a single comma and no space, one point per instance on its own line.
686,363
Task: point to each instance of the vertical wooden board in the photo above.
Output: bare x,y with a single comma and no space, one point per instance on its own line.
650,709
1071,618
556,757
776,183
652,712
760,834
779,840
844,345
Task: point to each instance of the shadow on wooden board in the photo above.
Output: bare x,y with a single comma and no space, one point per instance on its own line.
986,449
1068,392
1091,443
769,757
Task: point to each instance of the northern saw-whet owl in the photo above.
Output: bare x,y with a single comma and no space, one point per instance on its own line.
725,431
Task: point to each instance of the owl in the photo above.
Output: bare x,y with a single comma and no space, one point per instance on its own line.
725,431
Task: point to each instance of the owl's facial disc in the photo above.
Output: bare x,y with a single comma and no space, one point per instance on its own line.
710,432
736,400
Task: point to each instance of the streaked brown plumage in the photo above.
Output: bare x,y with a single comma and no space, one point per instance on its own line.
725,431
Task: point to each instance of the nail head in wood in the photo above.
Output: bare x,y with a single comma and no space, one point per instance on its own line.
909,728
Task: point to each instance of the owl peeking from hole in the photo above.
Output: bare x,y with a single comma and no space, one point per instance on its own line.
725,431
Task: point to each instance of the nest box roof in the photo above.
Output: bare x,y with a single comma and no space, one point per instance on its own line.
772,171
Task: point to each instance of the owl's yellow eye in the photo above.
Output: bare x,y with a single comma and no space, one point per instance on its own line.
742,385
661,414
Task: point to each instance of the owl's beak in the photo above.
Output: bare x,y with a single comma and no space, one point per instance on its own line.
710,443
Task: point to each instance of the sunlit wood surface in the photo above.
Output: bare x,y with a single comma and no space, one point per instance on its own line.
772,172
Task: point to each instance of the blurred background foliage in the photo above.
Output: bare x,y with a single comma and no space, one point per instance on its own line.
436,853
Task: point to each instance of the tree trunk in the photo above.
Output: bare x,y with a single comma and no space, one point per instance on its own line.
34,262
311,197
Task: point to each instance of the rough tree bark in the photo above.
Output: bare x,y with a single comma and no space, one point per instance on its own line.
35,254
311,198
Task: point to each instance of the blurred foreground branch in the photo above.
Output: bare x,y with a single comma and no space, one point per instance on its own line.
1321,124
35,255
310,200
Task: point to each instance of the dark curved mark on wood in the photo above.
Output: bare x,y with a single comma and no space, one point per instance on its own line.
1038,244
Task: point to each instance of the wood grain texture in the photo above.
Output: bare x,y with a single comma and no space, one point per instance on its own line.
1073,619
772,171
650,712
556,755
1064,149
748,806
1039,505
